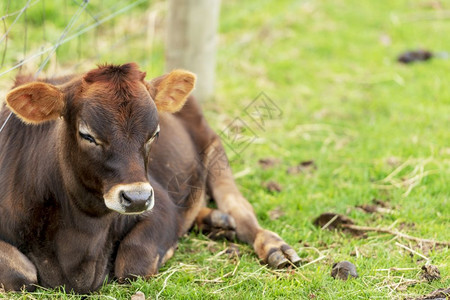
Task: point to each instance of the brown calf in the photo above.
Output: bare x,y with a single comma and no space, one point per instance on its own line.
88,190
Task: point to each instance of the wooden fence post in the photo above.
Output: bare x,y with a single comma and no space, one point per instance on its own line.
191,41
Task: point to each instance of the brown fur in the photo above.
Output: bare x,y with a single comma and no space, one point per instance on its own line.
96,140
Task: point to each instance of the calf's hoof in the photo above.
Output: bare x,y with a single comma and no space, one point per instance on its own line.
217,224
272,250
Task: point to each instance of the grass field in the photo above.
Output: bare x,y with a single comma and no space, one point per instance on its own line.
370,127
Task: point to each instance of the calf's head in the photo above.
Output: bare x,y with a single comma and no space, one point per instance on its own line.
109,120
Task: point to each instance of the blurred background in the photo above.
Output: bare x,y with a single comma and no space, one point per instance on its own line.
315,109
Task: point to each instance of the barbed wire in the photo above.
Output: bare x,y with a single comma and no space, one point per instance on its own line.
65,37
20,13
68,33
63,34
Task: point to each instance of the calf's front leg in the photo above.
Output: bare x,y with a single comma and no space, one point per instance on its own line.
16,270
269,247
150,243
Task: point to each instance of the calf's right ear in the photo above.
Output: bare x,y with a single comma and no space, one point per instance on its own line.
36,102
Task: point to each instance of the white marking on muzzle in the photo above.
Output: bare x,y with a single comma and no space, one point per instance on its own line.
132,198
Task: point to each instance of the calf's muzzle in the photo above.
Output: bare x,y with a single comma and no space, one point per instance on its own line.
136,200
132,198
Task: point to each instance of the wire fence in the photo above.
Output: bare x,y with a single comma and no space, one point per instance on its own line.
49,37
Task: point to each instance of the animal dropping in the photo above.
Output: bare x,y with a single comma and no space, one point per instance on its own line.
342,270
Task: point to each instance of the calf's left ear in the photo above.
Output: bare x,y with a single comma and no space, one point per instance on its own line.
36,102
170,91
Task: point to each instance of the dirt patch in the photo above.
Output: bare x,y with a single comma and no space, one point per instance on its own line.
337,221
377,206
368,208
430,273
330,220
269,162
272,186
333,221
342,270
305,167
414,56
381,203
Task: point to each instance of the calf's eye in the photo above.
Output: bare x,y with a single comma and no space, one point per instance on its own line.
156,135
88,137
148,144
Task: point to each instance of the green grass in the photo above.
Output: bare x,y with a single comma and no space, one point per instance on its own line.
330,66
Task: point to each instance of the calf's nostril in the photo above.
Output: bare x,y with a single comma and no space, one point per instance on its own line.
125,199
136,200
